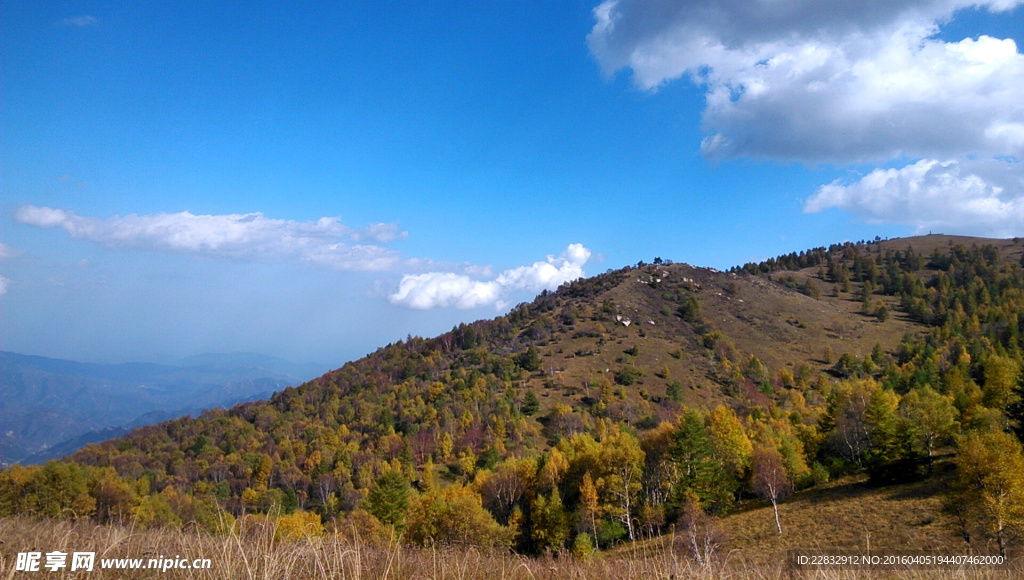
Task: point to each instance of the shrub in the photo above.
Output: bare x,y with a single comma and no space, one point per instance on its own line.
299,525
583,546
628,375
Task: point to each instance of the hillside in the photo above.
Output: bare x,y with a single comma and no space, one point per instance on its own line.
623,405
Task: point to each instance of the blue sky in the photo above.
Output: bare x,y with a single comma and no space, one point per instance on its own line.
315,182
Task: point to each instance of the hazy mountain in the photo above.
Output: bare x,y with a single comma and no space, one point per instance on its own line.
50,407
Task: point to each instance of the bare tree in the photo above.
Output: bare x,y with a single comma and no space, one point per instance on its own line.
771,481
702,536
325,486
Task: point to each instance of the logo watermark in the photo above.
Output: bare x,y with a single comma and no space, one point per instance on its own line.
86,561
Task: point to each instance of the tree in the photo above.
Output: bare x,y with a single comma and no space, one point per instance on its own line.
529,360
701,534
674,391
770,480
388,499
930,419
506,487
453,515
812,289
729,442
846,366
624,459
990,484
660,472
882,313
583,546
890,456
848,430
550,524
589,506
628,375
696,467
531,404
61,490
690,310
115,498
1001,375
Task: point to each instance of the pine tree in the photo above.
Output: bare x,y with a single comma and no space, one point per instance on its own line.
388,499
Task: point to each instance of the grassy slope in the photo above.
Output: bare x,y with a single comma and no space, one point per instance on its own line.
781,326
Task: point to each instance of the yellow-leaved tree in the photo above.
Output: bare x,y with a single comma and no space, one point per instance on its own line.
990,486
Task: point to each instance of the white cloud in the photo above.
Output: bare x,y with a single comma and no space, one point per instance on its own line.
450,289
979,197
845,82
7,251
444,289
821,80
3,285
82,21
325,242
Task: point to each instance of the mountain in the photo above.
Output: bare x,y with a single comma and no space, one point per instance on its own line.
624,403
50,406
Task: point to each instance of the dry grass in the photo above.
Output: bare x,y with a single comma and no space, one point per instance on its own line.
849,513
258,555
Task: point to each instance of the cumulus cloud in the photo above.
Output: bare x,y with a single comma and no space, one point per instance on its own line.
325,242
982,197
444,289
828,80
451,289
845,82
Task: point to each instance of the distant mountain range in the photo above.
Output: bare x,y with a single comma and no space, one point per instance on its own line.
52,407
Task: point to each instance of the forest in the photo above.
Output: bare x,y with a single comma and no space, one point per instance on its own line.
613,410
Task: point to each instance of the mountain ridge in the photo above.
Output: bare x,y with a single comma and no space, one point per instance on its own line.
49,402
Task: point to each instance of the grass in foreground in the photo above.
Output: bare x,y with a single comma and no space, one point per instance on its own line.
258,555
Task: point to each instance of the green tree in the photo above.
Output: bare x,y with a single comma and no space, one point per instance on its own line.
531,404
844,422
583,546
628,375
696,469
674,391
388,499
155,511
529,360
690,310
